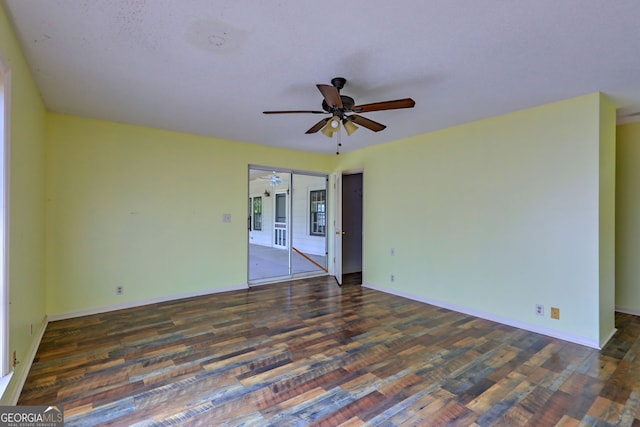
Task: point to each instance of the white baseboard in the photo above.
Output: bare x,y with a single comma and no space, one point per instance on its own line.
20,374
606,340
131,304
492,317
632,311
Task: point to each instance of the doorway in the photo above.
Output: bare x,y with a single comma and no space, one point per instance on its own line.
352,212
287,233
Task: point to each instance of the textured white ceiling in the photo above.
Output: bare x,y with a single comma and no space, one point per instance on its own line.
211,67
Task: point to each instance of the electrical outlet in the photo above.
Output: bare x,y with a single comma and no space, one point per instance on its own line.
539,309
555,313
119,290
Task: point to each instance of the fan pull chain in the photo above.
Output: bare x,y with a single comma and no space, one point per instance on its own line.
339,141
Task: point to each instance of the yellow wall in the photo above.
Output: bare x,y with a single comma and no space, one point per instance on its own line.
628,219
142,208
26,230
494,217
607,218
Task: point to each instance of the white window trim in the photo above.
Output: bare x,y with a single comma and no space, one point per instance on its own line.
309,191
253,221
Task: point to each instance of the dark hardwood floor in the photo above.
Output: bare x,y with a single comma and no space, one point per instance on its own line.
312,353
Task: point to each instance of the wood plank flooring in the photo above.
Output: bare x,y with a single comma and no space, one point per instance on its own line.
312,353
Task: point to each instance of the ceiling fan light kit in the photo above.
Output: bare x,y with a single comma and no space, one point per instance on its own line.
327,131
349,126
340,105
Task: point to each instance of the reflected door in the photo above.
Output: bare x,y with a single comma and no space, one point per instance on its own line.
280,228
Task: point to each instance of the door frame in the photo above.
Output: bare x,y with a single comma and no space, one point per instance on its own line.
6,359
337,226
338,231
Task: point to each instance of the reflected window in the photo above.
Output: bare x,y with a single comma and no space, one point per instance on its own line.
281,207
318,215
257,213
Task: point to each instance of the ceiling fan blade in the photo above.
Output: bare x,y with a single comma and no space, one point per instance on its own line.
369,124
385,105
315,128
331,95
295,112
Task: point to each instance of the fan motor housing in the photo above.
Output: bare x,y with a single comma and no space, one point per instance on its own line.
347,104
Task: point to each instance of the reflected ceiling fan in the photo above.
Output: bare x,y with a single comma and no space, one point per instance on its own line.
274,179
343,110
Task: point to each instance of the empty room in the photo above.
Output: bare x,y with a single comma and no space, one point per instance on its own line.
339,213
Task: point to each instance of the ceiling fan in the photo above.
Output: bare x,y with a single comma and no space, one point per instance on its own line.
343,110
